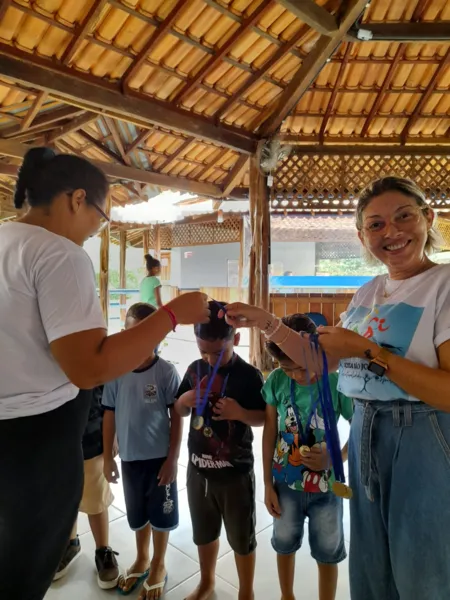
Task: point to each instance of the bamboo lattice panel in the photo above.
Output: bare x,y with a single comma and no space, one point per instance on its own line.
206,233
332,182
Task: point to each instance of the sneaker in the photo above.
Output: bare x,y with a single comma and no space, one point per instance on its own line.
72,552
107,567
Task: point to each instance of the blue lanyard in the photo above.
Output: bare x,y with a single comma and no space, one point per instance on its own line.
202,402
303,434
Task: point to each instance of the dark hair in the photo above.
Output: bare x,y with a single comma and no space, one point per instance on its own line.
151,262
45,174
217,328
140,311
297,322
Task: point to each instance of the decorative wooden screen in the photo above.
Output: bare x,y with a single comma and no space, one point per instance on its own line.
332,183
203,234
330,305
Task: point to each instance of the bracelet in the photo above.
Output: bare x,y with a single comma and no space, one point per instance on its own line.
270,335
172,316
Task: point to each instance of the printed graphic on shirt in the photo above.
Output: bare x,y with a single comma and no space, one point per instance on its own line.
151,393
391,326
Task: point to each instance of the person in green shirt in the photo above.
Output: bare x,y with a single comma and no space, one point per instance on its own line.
298,475
150,288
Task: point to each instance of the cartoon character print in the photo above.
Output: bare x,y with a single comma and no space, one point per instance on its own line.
315,482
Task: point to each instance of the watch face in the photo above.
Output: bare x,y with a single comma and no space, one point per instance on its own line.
377,369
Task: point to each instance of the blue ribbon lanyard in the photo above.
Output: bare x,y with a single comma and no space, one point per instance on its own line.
200,403
302,433
328,414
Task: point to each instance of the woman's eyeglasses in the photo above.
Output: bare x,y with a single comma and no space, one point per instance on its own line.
105,220
402,219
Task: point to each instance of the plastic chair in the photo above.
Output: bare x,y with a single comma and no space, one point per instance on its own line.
317,318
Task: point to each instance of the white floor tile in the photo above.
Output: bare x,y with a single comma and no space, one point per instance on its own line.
83,521
224,591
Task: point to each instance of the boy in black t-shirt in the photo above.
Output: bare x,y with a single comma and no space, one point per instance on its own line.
220,480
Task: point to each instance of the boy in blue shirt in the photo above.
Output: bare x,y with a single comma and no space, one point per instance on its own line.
140,408
297,469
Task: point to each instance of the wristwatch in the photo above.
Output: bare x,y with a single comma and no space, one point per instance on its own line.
380,363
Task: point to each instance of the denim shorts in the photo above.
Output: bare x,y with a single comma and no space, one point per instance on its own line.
325,524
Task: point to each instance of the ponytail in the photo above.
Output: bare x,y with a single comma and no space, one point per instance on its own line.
151,262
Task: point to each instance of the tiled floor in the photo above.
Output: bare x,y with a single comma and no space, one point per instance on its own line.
182,561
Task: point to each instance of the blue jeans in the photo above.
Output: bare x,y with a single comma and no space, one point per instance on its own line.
326,530
399,463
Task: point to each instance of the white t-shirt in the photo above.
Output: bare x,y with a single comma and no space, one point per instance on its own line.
412,322
47,291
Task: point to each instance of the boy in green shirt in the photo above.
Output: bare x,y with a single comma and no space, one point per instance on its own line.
297,468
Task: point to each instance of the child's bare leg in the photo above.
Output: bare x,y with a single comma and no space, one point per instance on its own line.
142,562
286,571
100,528
157,566
328,577
245,565
208,559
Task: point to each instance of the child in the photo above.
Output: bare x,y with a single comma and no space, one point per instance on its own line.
97,497
298,477
150,288
139,406
220,479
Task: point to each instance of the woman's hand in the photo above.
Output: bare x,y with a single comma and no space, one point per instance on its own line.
191,308
343,343
239,314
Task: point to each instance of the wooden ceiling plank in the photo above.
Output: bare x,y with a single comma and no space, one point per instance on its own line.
4,5
82,30
91,92
235,175
310,68
14,149
41,97
160,31
312,14
140,139
384,87
180,150
335,91
426,95
223,50
74,125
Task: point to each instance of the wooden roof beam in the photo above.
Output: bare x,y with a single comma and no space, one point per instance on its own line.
335,91
73,125
426,96
117,139
384,87
82,30
138,140
106,98
41,97
180,150
312,14
360,147
160,31
223,50
92,141
310,68
47,118
235,175
14,149
403,32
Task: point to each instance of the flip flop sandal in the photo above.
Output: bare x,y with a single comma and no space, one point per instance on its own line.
157,586
139,577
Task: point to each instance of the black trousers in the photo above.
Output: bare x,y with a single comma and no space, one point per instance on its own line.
41,483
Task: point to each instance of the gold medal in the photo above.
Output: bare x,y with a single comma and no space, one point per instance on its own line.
305,450
197,422
207,432
341,490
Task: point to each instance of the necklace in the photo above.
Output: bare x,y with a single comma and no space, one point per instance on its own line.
388,294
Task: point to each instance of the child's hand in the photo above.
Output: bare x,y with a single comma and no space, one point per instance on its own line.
318,458
168,472
227,409
271,501
110,470
188,399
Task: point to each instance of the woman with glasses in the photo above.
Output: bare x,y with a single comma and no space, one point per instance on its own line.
393,351
53,341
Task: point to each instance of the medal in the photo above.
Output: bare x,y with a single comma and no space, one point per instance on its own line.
207,432
341,490
197,422
305,450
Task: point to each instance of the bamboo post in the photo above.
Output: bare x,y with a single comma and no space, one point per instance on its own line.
104,263
123,273
157,238
145,241
241,260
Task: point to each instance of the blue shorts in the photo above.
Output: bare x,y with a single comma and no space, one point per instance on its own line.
146,500
326,528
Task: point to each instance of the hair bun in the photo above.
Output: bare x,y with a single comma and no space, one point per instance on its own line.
33,162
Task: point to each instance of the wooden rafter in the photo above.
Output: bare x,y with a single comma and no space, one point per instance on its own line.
426,95
210,165
73,125
92,93
180,150
117,139
223,50
41,97
312,14
119,172
371,149
82,30
235,175
4,5
139,139
335,91
163,28
47,119
430,33
381,94
92,141
311,66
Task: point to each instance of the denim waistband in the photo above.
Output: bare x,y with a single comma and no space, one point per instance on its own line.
402,416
